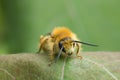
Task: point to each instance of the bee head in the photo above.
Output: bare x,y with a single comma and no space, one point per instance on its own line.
68,45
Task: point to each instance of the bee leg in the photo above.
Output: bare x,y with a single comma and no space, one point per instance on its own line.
51,59
39,49
41,43
78,52
52,55
42,40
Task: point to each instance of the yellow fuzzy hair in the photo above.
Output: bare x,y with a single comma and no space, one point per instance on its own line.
59,33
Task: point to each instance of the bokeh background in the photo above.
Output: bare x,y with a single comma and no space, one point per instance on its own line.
94,21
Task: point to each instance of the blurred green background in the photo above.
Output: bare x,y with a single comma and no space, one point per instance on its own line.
94,21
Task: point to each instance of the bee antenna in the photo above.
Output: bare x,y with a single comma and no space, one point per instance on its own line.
86,43
59,54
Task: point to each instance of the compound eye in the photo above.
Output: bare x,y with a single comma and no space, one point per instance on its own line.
64,50
61,45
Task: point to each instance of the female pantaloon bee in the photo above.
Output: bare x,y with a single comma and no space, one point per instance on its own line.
61,41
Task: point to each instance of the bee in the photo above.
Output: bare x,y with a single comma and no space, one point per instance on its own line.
61,41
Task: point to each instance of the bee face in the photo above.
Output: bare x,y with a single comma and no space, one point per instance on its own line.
68,46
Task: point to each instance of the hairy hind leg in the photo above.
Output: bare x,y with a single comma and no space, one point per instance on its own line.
43,39
51,59
52,54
